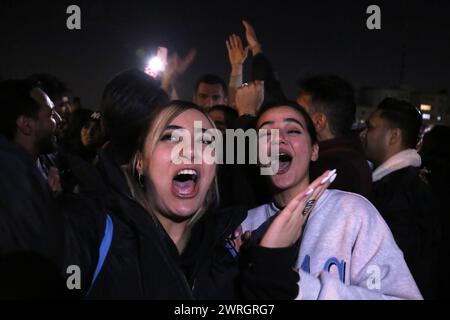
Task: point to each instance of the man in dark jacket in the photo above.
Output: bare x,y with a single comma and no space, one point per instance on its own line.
29,219
329,100
401,194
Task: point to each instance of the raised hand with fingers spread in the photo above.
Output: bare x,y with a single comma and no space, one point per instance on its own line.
287,227
236,52
252,41
175,67
237,55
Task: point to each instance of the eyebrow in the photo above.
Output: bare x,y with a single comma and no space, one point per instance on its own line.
174,127
285,120
295,121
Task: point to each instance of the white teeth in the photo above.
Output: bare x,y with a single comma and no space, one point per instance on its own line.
284,154
187,171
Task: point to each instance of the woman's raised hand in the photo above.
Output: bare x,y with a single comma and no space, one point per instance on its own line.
287,227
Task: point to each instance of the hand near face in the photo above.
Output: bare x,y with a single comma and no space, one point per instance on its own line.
287,227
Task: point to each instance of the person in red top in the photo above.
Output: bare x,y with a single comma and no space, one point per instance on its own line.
329,100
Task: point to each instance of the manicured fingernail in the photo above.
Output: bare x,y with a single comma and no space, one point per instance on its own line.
333,177
330,174
324,180
310,191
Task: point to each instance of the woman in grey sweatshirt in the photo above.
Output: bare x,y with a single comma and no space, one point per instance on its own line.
346,251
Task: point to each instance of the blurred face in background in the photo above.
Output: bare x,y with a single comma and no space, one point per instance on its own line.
44,124
218,116
209,95
375,139
91,134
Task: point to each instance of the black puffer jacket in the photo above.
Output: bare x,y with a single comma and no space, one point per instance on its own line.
137,265
405,201
143,262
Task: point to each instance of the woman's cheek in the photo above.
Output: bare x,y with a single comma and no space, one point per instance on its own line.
211,169
301,146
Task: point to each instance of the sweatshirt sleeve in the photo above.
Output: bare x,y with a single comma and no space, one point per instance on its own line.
378,270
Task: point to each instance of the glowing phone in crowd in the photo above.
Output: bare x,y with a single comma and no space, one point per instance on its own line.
157,64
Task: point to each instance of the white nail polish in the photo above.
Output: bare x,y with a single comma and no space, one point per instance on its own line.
310,191
325,180
333,177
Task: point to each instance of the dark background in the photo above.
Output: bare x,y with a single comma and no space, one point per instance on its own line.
300,37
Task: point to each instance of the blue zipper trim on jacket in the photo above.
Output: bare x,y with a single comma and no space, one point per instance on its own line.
104,248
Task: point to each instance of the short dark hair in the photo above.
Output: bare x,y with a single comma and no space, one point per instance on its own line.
333,96
16,101
212,79
403,115
293,105
50,84
230,114
128,103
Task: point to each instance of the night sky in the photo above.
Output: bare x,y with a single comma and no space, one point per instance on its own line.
300,38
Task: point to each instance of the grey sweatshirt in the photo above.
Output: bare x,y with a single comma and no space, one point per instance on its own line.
347,251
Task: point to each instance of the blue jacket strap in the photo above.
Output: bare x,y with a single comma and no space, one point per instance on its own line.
104,248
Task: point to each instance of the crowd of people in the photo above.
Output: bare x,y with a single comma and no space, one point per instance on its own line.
351,213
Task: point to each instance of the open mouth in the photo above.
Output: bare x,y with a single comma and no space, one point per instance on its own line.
285,160
184,184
